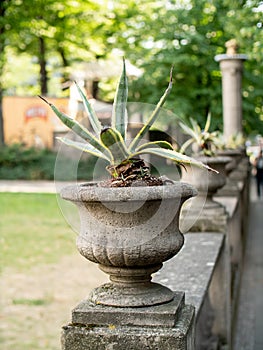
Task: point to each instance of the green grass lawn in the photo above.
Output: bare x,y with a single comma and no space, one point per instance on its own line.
32,230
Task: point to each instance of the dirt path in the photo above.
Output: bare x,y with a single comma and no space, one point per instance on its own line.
35,305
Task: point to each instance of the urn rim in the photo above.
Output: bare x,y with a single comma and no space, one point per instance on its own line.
91,192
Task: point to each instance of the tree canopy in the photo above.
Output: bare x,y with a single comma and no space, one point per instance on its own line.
153,35
188,35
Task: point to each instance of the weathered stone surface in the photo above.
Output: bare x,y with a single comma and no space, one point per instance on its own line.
202,250
143,294
231,67
191,270
165,315
208,220
232,188
230,203
207,183
234,229
202,270
115,337
235,155
130,232
239,174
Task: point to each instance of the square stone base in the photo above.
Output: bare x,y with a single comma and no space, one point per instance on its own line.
162,327
165,315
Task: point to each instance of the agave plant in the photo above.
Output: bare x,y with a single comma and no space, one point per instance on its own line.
233,142
206,142
110,143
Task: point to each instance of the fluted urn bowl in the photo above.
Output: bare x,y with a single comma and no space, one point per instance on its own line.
235,156
129,232
207,182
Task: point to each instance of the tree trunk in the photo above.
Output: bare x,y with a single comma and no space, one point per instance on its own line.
43,63
65,62
3,6
2,136
63,57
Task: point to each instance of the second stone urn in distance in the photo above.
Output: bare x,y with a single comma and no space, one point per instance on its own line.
206,182
129,232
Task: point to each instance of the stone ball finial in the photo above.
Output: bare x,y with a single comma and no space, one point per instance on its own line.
231,47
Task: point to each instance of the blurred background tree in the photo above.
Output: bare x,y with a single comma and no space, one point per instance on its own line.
45,39
188,34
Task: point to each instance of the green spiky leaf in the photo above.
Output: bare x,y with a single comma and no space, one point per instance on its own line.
174,156
208,122
119,114
113,140
186,145
187,130
154,144
152,117
94,120
79,129
85,147
195,127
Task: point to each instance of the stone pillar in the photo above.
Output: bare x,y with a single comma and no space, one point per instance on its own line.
231,65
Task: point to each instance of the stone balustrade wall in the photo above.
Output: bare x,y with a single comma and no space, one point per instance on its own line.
207,269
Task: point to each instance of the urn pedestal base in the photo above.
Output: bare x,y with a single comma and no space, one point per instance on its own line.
145,294
131,287
98,327
159,315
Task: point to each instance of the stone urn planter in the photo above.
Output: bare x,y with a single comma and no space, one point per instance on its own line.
129,232
234,175
207,183
234,154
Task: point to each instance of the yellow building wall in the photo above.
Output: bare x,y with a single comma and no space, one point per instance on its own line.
30,121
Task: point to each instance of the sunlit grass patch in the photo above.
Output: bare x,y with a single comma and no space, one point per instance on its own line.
33,230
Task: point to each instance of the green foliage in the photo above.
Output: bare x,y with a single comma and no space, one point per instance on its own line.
189,35
20,162
153,36
63,33
25,82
